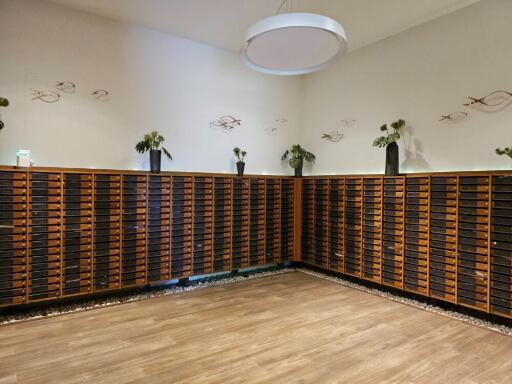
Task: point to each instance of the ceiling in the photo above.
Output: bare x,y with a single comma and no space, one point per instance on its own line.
222,23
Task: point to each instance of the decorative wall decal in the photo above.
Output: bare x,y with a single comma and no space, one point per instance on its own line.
225,123
348,122
273,128
3,103
504,151
101,94
454,117
66,86
45,96
333,136
271,131
493,99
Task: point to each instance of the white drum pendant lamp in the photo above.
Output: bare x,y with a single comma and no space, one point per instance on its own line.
293,44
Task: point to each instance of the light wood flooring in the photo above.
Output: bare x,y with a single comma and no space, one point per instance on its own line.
288,328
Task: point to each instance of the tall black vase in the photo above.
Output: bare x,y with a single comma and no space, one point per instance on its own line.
240,167
392,161
298,170
155,160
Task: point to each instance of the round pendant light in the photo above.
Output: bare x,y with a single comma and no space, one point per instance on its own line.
293,44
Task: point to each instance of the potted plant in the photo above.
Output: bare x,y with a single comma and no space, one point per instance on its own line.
3,103
389,140
297,155
152,142
240,165
505,151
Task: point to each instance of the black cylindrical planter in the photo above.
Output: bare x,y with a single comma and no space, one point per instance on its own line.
392,162
240,167
155,160
298,170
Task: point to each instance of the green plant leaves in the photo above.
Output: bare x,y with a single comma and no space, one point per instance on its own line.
239,153
392,137
397,125
294,162
297,155
166,153
152,140
380,142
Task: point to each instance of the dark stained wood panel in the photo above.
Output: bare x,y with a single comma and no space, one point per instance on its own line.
13,238
272,221
77,234
107,232
336,223
257,222
45,236
473,241
353,230
442,241
203,225
321,223
308,220
501,246
393,231
240,230
416,250
287,219
159,228
223,224
372,229
134,209
181,227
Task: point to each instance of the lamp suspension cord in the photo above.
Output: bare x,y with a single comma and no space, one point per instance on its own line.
288,8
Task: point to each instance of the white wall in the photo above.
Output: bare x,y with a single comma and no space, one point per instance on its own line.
157,82
176,86
417,75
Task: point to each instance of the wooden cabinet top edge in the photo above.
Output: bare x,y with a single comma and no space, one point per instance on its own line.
10,168
232,175
419,174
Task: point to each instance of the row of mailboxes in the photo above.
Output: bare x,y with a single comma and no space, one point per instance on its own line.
393,231
444,236
501,246
273,221
75,233
287,219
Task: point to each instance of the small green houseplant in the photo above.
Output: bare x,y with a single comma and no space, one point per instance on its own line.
240,165
3,103
297,156
389,140
152,142
505,151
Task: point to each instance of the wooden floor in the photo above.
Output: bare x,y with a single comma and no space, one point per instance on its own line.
289,328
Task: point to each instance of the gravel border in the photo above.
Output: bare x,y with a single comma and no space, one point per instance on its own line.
466,318
86,304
